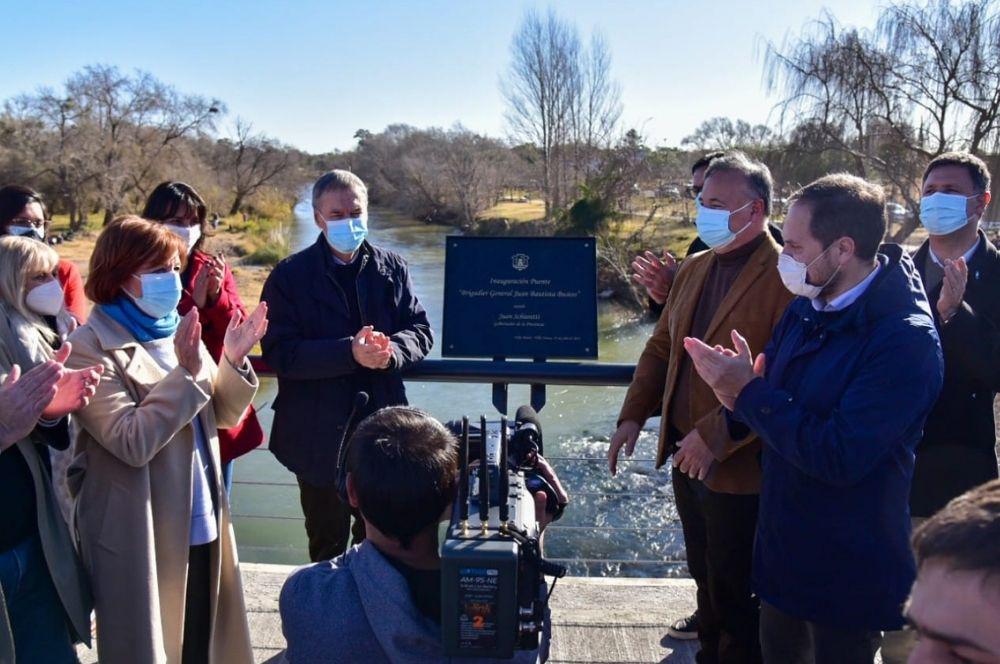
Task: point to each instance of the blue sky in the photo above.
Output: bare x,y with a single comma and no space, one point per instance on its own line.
312,73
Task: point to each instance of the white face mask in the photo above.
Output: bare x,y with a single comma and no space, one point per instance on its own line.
795,273
47,299
190,234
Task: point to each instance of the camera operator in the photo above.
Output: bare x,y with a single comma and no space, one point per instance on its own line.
381,600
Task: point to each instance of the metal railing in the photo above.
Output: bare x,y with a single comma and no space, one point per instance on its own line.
500,374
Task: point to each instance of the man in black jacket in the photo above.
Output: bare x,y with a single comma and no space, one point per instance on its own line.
961,274
343,319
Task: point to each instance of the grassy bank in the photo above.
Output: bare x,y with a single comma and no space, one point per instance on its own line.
251,248
669,230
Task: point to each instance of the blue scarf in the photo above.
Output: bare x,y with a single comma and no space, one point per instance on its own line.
142,326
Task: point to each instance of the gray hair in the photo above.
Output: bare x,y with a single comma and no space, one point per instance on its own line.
757,175
339,180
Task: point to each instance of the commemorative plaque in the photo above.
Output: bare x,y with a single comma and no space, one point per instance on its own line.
520,297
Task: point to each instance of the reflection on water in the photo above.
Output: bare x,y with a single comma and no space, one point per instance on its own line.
605,513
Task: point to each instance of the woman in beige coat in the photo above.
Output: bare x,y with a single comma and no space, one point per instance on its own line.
152,515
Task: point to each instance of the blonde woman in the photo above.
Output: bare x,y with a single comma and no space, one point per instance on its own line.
46,602
152,513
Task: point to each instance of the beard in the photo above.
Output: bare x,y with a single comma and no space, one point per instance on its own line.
831,277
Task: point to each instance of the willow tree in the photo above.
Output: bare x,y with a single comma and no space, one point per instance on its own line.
924,81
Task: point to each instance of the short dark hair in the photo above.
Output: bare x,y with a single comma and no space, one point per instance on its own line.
976,167
706,160
404,468
965,534
757,175
13,199
844,205
166,200
124,246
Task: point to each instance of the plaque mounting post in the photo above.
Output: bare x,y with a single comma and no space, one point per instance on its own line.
500,392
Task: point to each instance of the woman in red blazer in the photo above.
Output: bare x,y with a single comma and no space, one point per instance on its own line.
208,285
22,212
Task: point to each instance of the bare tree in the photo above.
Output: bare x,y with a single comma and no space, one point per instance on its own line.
249,161
925,81
560,98
474,167
137,120
724,134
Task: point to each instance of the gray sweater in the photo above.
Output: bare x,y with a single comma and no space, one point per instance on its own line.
357,608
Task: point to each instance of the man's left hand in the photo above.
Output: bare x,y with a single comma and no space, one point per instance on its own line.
693,456
727,372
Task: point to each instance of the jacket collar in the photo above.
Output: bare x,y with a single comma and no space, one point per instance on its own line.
404,634
762,259
896,287
111,334
982,261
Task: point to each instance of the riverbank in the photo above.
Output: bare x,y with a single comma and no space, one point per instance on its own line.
251,248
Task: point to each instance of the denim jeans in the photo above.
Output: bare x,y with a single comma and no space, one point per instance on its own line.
36,614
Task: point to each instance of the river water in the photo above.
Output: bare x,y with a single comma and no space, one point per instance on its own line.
629,520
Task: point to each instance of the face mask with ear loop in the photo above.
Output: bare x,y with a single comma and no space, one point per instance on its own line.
794,273
943,214
713,225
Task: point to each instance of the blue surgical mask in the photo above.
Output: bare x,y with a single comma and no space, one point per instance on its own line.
713,225
28,231
346,235
942,213
161,292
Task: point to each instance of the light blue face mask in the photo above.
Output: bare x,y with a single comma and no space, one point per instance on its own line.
346,235
942,214
713,225
161,292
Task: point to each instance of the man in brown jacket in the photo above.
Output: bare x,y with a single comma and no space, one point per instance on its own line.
715,478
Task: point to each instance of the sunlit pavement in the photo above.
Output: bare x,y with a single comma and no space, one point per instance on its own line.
594,619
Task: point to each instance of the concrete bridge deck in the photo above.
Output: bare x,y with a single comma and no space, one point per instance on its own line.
594,619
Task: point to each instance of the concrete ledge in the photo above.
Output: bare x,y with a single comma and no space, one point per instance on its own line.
594,619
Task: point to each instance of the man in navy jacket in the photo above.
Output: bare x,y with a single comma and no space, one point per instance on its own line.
839,399
343,319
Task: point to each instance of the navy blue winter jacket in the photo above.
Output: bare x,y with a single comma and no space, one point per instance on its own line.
840,411
308,344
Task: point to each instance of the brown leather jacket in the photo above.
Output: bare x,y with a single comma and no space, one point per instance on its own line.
753,306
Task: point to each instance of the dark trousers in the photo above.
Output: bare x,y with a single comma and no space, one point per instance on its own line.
37,619
718,537
789,640
328,521
198,606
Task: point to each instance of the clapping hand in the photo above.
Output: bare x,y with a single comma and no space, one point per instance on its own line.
74,387
187,342
655,274
371,349
956,276
23,398
242,335
726,371
208,282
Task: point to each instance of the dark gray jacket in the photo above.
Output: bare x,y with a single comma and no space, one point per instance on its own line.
958,448
308,345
